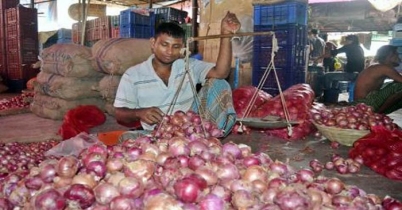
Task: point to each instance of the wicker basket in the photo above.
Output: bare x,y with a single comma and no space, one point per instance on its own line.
344,136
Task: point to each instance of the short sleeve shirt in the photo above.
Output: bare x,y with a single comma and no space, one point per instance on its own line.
141,87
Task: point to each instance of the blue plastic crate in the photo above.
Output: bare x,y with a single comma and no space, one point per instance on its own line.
287,77
64,33
64,41
290,34
129,16
287,56
396,42
292,12
169,14
136,31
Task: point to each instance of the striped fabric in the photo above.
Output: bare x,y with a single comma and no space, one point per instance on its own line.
217,104
377,98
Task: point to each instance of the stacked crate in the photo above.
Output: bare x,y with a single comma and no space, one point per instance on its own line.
95,29
289,22
22,46
137,23
4,4
115,26
64,36
169,14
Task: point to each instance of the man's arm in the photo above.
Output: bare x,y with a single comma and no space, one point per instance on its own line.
150,115
229,25
391,73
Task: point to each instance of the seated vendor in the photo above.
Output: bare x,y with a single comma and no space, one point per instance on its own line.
370,88
148,90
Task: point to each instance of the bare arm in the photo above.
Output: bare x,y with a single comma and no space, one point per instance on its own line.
393,74
150,115
230,24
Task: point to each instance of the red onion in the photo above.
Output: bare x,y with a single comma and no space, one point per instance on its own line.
334,186
251,160
105,192
114,164
242,199
19,196
211,202
279,168
187,190
49,199
178,146
131,187
289,199
228,171
329,165
208,174
255,173
197,147
94,156
232,149
81,195
67,166
305,175
85,179
122,203
98,148
133,154
5,204
97,168
34,182
59,182
48,172
341,200
143,169
195,162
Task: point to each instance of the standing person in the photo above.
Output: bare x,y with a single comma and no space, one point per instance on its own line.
146,91
355,62
370,87
327,57
318,47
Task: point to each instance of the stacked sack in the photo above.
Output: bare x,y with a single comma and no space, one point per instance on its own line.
113,57
65,81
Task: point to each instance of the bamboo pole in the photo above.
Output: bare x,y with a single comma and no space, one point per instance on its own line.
191,39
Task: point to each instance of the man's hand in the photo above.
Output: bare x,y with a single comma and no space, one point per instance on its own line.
151,116
230,24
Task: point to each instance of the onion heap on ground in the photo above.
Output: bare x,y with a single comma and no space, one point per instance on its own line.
178,173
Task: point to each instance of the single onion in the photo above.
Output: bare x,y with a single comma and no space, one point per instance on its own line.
187,190
5,204
81,194
34,183
105,192
143,169
114,165
211,202
67,166
131,187
97,168
255,173
208,174
231,148
122,202
85,179
334,186
49,199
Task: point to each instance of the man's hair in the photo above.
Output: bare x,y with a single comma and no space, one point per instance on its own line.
170,28
314,31
353,38
383,52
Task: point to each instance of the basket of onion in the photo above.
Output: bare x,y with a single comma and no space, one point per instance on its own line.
348,124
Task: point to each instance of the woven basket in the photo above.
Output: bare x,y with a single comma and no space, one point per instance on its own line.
344,136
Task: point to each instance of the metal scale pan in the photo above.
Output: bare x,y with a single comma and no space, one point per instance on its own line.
268,122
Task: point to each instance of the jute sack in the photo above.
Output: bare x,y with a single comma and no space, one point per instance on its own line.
55,108
116,55
66,87
107,87
69,60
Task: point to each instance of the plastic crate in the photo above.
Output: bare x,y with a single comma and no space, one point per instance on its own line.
287,77
22,57
136,31
115,21
132,16
287,56
169,14
6,4
290,34
64,33
115,32
277,14
103,21
15,43
64,41
21,15
22,31
396,42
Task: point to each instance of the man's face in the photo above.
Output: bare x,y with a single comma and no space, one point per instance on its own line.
166,48
394,59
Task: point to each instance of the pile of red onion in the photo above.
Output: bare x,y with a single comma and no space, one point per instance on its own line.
186,124
359,117
178,173
338,163
16,102
22,156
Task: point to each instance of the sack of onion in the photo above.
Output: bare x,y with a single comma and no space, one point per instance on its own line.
177,173
298,102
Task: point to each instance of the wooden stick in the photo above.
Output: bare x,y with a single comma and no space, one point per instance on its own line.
191,39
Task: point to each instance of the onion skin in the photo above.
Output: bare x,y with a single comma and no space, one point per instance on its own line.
5,204
81,194
105,192
67,166
131,187
49,199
